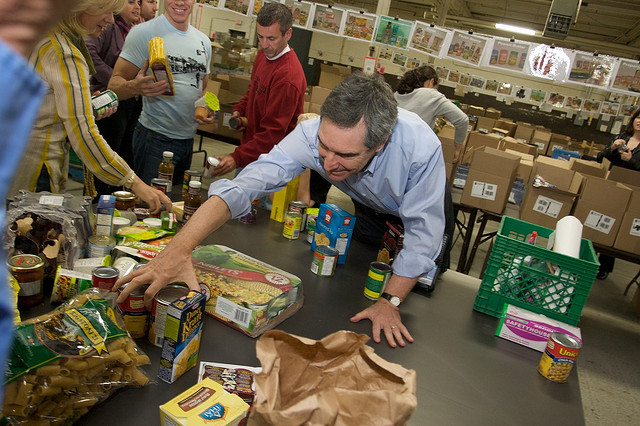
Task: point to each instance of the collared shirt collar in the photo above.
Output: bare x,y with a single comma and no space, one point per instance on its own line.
285,50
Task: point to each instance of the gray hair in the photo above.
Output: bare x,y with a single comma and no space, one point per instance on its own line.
272,13
363,97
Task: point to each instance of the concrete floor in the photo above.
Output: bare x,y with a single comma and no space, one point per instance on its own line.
607,364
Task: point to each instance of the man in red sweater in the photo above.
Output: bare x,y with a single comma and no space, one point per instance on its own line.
275,96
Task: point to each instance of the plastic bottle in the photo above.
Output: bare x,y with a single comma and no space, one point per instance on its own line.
193,200
165,170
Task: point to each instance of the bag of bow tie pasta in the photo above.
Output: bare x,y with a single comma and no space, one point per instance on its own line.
65,361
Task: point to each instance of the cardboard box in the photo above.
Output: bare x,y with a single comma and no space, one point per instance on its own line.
204,403
485,124
506,124
334,228
523,175
478,111
588,168
448,131
239,84
503,133
545,206
493,113
600,208
104,215
628,238
281,199
246,294
524,132
331,75
531,329
319,94
476,140
509,143
624,175
491,175
182,332
541,138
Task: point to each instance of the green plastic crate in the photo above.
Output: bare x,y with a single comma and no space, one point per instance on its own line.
553,284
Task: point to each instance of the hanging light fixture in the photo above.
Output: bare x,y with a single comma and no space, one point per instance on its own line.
515,29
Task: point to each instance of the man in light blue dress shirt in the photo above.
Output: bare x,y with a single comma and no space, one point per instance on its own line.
384,157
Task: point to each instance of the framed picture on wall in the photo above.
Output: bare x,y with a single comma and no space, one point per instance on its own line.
538,95
627,76
429,39
412,63
328,19
505,89
239,6
360,25
454,76
628,110
465,79
393,31
507,55
492,85
385,54
443,73
610,108
573,102
522,93
466,48
591,106
591,69
477,82
399,59
556,100
301,11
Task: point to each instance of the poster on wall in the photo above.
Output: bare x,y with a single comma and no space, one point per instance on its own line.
454,76
257,5
627,76
360,25
239,6
466,48
628,110
556,100
548,62
443,73
412,63
399,59
477,82
385,54
573,102
492,85
301,11
465,79
507,55
591,69
505,89
327,19
538,95
428,39
213,3
610,108
591,106
522,93
393,31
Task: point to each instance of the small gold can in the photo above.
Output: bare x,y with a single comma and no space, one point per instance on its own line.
559,357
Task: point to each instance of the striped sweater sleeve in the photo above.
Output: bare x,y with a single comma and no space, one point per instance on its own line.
66,71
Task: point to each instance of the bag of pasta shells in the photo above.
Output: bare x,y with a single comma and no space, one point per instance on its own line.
64,362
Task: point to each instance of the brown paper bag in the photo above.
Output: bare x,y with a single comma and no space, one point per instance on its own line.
334,381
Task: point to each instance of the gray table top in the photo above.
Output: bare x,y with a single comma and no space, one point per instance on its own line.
465,374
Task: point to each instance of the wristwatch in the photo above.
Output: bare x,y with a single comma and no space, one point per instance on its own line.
394,300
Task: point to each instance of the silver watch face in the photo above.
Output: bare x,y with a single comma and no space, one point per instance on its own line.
395,301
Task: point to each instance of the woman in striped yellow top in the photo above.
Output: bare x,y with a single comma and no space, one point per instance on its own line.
66,117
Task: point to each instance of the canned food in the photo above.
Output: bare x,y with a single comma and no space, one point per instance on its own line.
292,222
324,261
104,100
379,273
300,207
161,302
190,175
134,313
253,213
559,357
125,200
212,162
161,184
312,216
104,277
120,222
124,265
28,270
101,245
237,122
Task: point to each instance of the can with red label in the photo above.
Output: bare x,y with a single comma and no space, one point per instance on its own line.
161,302
104,277
559,357
134,313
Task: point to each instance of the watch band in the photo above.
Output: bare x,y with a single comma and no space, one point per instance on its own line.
390,298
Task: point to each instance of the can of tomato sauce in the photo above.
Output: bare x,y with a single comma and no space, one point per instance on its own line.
559,357
104,277
134,313
161,302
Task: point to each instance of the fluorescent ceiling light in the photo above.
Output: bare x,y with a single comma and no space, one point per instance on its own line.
514,29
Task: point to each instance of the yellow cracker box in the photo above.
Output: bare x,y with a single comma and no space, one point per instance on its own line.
159,65
205,403
182,331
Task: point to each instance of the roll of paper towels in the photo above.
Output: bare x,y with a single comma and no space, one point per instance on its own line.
568,236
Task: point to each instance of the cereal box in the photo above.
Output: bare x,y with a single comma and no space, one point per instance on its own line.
205,403
334,227
182,331
245,293
531,329
392,242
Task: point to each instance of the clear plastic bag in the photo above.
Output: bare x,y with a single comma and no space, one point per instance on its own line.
64,362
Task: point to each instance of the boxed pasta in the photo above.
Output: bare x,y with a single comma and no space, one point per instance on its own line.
202,404
64,362
245,293
182,331
334,228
